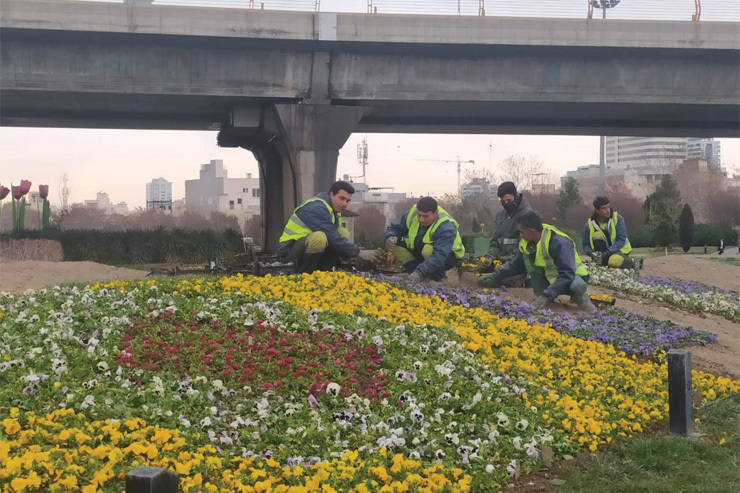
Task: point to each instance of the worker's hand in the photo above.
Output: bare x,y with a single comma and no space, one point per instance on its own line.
596,257
415,276
391,241
541,302
367,255
605,258
492,280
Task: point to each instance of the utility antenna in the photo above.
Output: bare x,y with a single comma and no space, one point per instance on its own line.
459,168
362,156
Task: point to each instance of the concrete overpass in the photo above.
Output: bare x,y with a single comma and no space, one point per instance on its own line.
292,86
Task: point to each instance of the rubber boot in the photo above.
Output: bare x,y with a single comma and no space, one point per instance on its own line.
583,302
309,262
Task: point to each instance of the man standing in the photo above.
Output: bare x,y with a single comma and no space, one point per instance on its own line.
425,240
548,256
314,237
505,239
605,238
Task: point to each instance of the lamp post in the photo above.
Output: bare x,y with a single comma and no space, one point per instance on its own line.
603,5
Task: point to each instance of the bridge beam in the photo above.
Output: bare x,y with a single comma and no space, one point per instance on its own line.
297,146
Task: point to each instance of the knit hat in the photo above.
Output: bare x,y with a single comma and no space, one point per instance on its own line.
506,188
600,201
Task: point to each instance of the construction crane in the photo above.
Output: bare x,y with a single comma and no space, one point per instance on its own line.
459,168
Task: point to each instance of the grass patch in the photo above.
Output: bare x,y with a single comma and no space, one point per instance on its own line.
663,463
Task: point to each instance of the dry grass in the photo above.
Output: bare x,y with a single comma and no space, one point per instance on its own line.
49,250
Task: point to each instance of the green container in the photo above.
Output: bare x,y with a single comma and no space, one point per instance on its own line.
480,245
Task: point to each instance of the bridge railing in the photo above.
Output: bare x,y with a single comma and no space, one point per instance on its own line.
676,10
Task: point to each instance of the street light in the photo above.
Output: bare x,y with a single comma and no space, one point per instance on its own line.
603,5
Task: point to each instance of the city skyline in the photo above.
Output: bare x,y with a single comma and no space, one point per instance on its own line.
121,162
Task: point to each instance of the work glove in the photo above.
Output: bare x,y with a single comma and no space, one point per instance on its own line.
391,241
415,276
596,257
491,280
541,302
367,255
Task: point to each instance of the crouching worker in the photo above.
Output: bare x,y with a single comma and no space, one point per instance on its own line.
425,241
314,237
549,258
605,238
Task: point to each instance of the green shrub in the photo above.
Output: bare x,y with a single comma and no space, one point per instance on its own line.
138,246
686,228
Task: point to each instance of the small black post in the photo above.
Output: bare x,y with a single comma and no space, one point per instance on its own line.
681,418
151,480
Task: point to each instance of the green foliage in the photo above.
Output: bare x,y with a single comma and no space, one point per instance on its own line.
666,233
706,234
665,203
569,195
138,246
46,214
476,225
644,237
686,227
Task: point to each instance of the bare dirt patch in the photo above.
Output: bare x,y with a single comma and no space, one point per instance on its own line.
720,274
17,276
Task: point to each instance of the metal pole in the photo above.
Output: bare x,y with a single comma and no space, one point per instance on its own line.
681,420
602,165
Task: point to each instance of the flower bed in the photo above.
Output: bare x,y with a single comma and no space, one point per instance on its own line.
234,389
626,331
685,294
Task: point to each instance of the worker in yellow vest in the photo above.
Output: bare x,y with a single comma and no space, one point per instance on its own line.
605,238
314,237
549,258
425,240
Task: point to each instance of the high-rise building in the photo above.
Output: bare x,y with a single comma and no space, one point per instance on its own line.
658,152
214,191
159,195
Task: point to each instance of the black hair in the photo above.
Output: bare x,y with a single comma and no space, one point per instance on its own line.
426,204
530,220
601,201
506,188
341,185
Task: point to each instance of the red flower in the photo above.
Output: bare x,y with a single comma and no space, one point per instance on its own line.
43,191
17,192
4,191
25,186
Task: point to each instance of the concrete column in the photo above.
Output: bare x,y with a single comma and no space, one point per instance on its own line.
297,146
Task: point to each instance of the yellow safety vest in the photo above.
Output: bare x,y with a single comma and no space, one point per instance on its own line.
543,259
412,223
295,229
593,226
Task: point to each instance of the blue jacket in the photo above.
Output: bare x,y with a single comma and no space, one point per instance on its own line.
619,241
316,217
564,256
443,240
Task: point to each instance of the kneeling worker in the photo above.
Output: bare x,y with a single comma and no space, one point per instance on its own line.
605,238
549,258
314,237
425,241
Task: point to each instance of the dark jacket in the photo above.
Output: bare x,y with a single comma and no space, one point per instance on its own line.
619,241
563,254
505,240
317,217
443,240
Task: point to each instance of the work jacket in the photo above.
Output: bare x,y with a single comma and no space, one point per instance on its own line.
505,237
316,214
615,233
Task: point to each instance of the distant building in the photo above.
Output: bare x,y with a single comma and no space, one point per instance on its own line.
379,197
477,186
159,195
642,152
214,191
102,202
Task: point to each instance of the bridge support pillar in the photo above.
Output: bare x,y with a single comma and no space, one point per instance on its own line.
297,146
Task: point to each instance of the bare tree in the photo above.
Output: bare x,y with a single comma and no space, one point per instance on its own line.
697,185
370,222
521,170
481,174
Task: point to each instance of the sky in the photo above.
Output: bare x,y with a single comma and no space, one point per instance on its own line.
121,162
